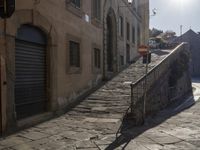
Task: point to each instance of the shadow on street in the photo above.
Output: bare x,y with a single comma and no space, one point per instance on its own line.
128,132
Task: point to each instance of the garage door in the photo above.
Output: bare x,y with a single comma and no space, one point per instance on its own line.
30,72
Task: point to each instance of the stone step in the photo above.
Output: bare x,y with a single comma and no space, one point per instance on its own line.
109,99
91,104
98,115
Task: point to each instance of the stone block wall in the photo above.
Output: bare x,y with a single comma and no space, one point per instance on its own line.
173,83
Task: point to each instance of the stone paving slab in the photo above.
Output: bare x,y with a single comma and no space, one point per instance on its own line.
93,124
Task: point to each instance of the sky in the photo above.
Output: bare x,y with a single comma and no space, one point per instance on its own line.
171,14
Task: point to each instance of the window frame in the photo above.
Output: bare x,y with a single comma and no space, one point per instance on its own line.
128,31
74,54
96,70
121,26
97,58
71,69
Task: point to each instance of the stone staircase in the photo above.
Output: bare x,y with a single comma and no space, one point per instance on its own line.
113,99
92,124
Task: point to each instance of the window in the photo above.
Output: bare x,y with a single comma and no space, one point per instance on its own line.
97,9
76,3
74,54
133,34
97,58
127,53
121,26
122,60
128,31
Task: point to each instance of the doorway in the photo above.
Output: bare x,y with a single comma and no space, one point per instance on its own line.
30,72
110,57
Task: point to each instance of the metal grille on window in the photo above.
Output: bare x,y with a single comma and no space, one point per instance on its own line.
74,54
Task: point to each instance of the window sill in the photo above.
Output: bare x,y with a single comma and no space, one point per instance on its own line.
74,70
74,10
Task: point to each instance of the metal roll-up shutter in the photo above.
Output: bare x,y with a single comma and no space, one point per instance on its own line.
30,80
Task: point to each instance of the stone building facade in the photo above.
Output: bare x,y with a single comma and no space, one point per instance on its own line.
52,52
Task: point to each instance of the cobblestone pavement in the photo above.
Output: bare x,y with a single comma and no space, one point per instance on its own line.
92,125
196,85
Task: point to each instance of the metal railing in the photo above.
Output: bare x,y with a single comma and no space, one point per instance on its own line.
138,88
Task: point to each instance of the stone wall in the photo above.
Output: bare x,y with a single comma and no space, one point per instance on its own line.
166,83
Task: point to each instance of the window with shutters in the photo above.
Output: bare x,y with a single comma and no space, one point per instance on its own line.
97,58
74,52
96,9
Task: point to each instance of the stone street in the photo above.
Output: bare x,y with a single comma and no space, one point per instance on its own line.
93,124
